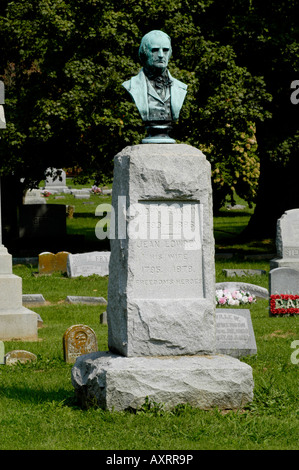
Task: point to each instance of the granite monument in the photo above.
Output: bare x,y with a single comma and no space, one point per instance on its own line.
161,309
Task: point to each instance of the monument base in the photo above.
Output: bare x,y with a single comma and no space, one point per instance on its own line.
116,382
18,324
284,263
16,321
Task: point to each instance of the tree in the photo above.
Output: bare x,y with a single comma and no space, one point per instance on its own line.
64,61
265,38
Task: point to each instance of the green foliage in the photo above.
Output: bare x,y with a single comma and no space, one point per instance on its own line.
63,63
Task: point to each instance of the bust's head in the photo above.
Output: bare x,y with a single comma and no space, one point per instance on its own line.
155,51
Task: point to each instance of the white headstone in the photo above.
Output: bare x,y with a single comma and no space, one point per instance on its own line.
86,264
57,182
287,241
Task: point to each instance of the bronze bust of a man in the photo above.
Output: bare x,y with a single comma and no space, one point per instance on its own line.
157,95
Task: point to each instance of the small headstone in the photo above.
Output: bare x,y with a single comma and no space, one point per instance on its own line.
107,192
49,263
284,281
34,196
33,299
236,207
84,299
19,355
70,211
82,196
86,264
284,290
243,272
56,182
78,340
2,350
103,318
234,332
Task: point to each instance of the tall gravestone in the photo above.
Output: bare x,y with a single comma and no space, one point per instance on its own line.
16,321
287,241
161,296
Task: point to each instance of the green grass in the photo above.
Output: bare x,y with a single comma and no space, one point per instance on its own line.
38,410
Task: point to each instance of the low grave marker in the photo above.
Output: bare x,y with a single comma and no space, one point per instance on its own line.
82,299
19,355
78,340
86,264
284,291
234,332
33,299
49,263
243,272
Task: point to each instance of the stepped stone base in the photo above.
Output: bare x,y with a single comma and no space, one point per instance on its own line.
18,324
116,382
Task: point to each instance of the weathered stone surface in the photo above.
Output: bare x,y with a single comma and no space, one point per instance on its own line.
116,382
19,355
234,332
287,241
84,299
78,340
34,196
49,263
161,297
243,272
258,291
284,280
30,299
86,264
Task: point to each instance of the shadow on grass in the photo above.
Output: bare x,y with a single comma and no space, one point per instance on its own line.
38,396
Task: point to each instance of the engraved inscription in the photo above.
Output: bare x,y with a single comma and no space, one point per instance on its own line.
291,252
168,263
231,330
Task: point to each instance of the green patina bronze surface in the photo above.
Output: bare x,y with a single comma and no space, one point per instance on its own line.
157,95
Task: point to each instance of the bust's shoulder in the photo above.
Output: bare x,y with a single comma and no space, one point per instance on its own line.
134,81
178,83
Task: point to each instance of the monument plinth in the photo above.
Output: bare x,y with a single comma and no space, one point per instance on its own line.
161,297
164,266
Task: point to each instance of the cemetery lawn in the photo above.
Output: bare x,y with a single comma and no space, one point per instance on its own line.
38,409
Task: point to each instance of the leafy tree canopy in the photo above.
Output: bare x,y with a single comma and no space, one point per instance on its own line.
63,63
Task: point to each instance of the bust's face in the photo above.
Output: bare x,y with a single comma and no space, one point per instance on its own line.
158,53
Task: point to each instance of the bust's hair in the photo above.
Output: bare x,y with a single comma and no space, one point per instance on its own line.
145,41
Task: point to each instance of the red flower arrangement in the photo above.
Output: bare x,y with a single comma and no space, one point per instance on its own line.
291,304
